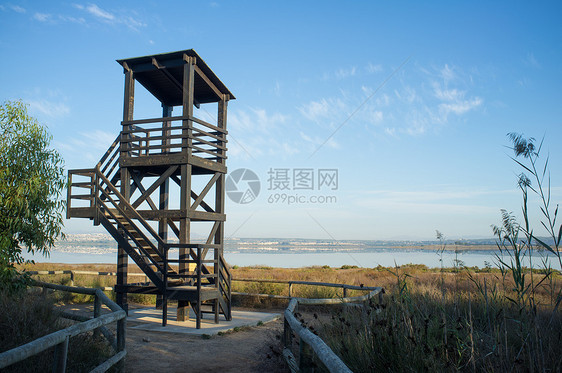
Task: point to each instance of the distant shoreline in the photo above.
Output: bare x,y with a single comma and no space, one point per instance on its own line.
449,247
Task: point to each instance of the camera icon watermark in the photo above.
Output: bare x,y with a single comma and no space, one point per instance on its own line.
242,186
290,186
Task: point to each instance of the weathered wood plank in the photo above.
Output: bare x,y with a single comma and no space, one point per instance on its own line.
41,344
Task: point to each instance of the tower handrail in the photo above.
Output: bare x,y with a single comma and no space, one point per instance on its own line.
127,207
109,151
163,136
143,236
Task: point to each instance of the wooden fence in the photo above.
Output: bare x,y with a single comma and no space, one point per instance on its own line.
310,345
59,340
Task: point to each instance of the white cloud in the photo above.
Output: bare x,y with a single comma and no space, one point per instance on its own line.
256,120
131,23
345,72
315,109
330,108
51,109
99,139
429,104
17,9
255,131
42,17
317,141
96,11
530,60
78,20
454,101
447,74
460,107
372,69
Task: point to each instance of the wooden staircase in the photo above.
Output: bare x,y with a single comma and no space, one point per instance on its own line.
205,290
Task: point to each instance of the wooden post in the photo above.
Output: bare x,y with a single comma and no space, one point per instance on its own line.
219,207
121,336
164,193
165,294
185,187
61,352
199,264
290,289
68,195
344,292
71,278
287,335
97,313
122,257
306,363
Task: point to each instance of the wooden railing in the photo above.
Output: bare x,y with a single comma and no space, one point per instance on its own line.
310,345
73,274
59,340
81,192
169,135
290,283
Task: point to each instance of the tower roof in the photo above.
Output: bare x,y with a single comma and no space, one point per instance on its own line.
162,76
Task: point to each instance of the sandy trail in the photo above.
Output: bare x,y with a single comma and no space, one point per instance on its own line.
247,350
251,349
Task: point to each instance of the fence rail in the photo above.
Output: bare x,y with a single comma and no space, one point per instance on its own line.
290,283
310,345
60,339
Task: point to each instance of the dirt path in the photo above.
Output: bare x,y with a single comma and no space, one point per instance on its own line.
247,350
252,349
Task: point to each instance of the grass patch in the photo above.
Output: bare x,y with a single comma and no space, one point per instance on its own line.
26,317
463,321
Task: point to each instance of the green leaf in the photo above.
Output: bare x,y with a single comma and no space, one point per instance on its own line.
545,245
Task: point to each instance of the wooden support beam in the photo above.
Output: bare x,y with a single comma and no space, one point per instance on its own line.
186,173
138,182
209,83
203,203
155,186
122,257
205,190
171,78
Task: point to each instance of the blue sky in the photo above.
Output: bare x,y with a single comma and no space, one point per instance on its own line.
411,103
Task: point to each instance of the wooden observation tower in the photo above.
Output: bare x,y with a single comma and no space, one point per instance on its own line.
159,179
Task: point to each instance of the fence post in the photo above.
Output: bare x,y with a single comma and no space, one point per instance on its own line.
61,352
287,334
290,289
344,292
97,313
305,357
121,326
71,278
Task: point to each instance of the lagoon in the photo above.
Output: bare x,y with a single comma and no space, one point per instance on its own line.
367,259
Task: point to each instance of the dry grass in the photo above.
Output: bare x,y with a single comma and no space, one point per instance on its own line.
462,321
25,318
432,319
